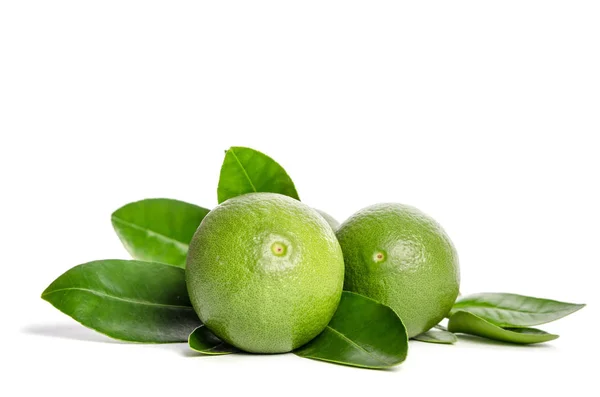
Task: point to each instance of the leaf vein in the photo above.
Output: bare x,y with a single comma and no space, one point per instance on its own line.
128,300
485,305
357,345
243,170
150,232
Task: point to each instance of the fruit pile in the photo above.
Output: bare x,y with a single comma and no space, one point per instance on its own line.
265,273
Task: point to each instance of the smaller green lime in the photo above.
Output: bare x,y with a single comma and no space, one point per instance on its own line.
401,257
330,219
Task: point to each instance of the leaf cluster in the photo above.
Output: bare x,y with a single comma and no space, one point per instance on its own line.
146,300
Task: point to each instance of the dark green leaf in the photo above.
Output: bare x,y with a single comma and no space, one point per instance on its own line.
437,336
246,170
468,323
158,230
362,333
204,341
511,310
127,300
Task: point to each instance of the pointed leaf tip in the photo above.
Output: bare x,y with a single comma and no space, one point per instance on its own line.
512,310
127,300
437,336
469,323
158,230
246,170
202,340
362,333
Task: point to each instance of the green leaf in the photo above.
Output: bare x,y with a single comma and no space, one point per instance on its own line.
127,300
468,323
362,333
204,341
158,230
246,170
437,336
511,310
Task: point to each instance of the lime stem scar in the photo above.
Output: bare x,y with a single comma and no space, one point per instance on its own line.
379,257
278,249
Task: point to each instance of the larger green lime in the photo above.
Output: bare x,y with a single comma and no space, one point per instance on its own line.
265,272
401,257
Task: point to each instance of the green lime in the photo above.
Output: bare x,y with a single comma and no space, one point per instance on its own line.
265,272
330,219
401,257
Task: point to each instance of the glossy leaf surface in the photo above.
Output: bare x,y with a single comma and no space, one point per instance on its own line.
127,300
512,310
158,230
437,336
246,170
468,323
362,333
204,341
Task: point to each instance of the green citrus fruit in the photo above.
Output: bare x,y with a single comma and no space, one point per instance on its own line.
265,272
330,219
401,257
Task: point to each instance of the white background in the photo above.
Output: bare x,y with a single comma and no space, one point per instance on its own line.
485,115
